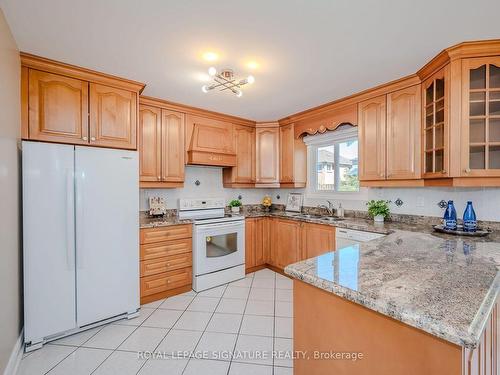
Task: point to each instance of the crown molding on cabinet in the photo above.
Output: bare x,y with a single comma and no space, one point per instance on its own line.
479,48
155,102
47,65
335,105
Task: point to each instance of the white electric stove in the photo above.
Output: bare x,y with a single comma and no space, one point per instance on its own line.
218,242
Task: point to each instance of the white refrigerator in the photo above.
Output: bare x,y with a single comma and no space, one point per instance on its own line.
80,238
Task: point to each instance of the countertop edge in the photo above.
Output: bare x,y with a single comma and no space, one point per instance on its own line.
468,339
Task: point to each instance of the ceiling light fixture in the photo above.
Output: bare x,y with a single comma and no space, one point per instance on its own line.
210,56
225,81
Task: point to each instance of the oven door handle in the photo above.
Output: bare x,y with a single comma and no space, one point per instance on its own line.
221,226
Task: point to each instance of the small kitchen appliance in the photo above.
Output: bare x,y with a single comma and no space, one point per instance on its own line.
157,206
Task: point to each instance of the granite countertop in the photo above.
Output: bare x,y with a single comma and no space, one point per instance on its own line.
443,285
163,221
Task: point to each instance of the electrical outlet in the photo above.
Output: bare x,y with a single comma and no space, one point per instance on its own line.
420,202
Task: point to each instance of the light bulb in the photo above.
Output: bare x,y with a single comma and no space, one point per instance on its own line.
204,88
212,71
250,79
239,93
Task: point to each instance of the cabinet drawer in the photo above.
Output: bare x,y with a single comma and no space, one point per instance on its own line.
168,248
161,265
165,281
174,232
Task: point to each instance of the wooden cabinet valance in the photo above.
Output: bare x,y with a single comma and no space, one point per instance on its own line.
328,120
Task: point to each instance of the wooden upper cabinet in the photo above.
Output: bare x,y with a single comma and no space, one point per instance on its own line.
435,124
268,155
172,138
286,154
149,143
372,138
58,108
243,174
317,239
286,245
480,128
403,134
68,104
113,117
161,147
293,158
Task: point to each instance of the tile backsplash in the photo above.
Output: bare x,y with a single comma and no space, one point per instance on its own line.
416,201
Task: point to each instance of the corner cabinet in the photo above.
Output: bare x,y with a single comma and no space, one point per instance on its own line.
267,155
243,174
435,131
67,104
161,147
481,117
389,138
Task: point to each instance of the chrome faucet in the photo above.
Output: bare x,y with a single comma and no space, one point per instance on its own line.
330,209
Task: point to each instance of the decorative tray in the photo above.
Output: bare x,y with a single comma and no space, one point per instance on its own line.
480,232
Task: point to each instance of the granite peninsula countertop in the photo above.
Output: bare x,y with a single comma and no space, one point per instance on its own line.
443,285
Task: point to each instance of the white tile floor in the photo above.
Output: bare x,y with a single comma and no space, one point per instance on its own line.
248,317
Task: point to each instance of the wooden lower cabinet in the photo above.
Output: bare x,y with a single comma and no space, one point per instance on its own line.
280,242
286,242
165,261
255,242
317,239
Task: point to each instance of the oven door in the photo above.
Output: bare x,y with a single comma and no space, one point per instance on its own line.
218,246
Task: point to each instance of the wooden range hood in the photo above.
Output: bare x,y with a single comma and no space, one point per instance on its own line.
209,142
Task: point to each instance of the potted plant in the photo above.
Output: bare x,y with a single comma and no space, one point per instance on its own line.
235,205
378,210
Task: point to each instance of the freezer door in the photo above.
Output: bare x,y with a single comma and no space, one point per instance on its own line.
107,233
48,239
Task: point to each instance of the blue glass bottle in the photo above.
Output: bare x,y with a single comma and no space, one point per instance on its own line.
470,222
450,217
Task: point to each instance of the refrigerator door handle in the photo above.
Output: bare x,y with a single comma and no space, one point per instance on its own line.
70,219
80,220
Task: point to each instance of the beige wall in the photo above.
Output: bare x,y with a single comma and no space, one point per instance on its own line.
10,258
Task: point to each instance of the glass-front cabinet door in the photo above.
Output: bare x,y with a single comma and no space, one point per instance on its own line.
481,117
435,124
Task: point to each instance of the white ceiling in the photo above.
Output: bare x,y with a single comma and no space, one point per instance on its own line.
310,52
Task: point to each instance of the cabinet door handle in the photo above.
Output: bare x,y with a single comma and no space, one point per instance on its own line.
85,138
467,170
443,171
159,178
92,138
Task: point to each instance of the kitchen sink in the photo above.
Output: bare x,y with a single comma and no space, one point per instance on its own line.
308,216
329,219
332,219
